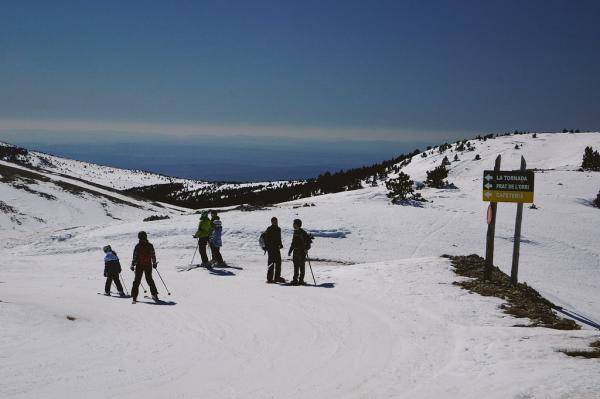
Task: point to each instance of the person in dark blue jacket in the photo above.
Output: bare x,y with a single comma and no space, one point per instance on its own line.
112,268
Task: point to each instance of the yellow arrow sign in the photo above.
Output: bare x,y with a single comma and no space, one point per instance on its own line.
507,196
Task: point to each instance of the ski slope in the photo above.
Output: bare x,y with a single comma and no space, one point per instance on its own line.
384,322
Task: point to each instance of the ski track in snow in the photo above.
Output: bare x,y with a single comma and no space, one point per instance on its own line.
392,326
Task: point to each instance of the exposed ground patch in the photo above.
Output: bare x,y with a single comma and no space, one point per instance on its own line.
522,301
593,353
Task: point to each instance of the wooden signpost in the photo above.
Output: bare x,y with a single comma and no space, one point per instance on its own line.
506,186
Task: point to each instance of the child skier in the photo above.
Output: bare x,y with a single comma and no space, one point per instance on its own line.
112,268
215,241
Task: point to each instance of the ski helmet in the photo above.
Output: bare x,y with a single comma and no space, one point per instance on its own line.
107,249
143,236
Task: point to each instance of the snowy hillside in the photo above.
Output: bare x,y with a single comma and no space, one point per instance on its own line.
385,320
120,179
32,200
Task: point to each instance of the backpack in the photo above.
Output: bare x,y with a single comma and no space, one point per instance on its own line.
307,239
262,242
144,254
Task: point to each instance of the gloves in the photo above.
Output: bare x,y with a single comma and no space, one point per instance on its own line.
104,274
132,268
155,265
281,246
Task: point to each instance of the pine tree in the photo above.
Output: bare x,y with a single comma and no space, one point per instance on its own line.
445,161
436,177
591,159
400,187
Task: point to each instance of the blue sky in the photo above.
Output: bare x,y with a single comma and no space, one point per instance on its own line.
387,69
412,72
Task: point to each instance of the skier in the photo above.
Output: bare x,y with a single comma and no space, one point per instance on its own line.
203,235
216,242
112,268
213,216
300,246
272,241
144,259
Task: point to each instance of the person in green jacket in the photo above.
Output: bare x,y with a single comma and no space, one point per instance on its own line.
203,234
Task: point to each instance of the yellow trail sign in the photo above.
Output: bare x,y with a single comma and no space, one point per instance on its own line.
508,186
508,196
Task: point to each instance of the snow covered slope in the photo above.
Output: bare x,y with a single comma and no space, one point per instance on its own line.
384,322
33,200
120,179
559,248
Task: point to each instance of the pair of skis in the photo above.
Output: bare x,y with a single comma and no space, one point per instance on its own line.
192,267
157,300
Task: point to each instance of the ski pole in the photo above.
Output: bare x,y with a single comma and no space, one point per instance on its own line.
268,268
311,272
195,250
163,281
124,284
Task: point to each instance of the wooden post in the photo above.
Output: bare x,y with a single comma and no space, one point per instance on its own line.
491,231
514,271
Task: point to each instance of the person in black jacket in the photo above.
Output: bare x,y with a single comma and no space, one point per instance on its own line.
112,268
299,247
144,259
272,237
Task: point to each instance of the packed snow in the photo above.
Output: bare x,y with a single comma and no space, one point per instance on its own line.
385,320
